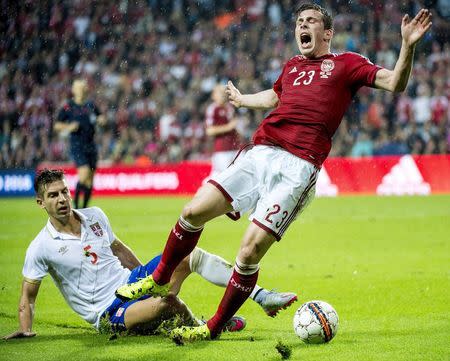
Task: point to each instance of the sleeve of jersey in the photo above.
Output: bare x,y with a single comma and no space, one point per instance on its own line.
108,228
362,71
34,268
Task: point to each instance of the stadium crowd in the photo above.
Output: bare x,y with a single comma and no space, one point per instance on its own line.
151,66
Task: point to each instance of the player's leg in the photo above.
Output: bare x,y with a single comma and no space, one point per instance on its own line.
85,175
218,271
179,276
147,314
234,189
80,161
83,185
89,181
287,189
254,246
208,203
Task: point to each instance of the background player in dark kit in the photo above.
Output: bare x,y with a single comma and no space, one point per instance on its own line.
78,119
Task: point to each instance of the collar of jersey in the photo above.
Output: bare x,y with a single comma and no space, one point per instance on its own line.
55,234
329,55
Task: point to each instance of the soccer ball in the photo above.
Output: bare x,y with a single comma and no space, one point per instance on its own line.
316,322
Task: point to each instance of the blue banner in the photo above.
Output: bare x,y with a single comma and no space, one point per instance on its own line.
14,183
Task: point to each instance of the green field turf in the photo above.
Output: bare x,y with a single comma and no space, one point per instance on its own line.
383,263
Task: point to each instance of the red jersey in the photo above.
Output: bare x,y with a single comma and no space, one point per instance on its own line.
313,97
221,115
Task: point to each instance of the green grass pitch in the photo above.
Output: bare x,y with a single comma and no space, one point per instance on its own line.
383,263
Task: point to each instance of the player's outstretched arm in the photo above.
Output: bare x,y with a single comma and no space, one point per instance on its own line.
412,31
265,99
26,310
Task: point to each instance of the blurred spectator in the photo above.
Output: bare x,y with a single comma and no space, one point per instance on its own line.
363,145
394,144
422,105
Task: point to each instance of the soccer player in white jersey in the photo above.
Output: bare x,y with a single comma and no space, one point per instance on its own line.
275,180
88,262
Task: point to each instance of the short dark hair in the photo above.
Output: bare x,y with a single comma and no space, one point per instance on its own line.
45,177
326,17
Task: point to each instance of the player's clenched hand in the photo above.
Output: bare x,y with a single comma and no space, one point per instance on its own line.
234,95
19,334
413,30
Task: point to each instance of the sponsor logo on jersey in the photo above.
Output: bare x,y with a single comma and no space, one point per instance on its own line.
293,70
97,229
404,179
326,67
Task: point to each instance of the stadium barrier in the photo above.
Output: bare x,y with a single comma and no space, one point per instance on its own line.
386,175
390,175
15,183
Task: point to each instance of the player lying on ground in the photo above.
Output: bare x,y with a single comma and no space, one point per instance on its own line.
88,262
275,180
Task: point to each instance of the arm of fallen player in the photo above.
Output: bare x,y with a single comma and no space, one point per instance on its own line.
26,310
125,255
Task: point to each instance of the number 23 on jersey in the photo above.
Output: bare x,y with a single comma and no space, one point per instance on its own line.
304,77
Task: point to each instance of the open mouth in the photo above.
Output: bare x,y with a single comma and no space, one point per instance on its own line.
63,209
305,40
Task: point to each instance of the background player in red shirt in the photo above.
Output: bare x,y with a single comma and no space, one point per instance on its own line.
221,125
275,180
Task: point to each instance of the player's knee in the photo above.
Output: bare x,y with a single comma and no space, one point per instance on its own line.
250,253
190,215
186,213
84,179
171,303
171,300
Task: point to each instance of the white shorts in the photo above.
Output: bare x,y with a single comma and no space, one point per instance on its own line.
270,183
221,160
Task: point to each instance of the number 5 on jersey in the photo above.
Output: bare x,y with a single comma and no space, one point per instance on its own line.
301,75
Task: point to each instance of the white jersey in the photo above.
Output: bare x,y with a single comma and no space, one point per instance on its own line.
84,269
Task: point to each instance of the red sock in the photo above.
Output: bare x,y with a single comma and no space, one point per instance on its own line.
182,240
238,290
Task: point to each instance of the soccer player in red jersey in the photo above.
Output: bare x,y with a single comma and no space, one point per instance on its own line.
221,125
275,180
